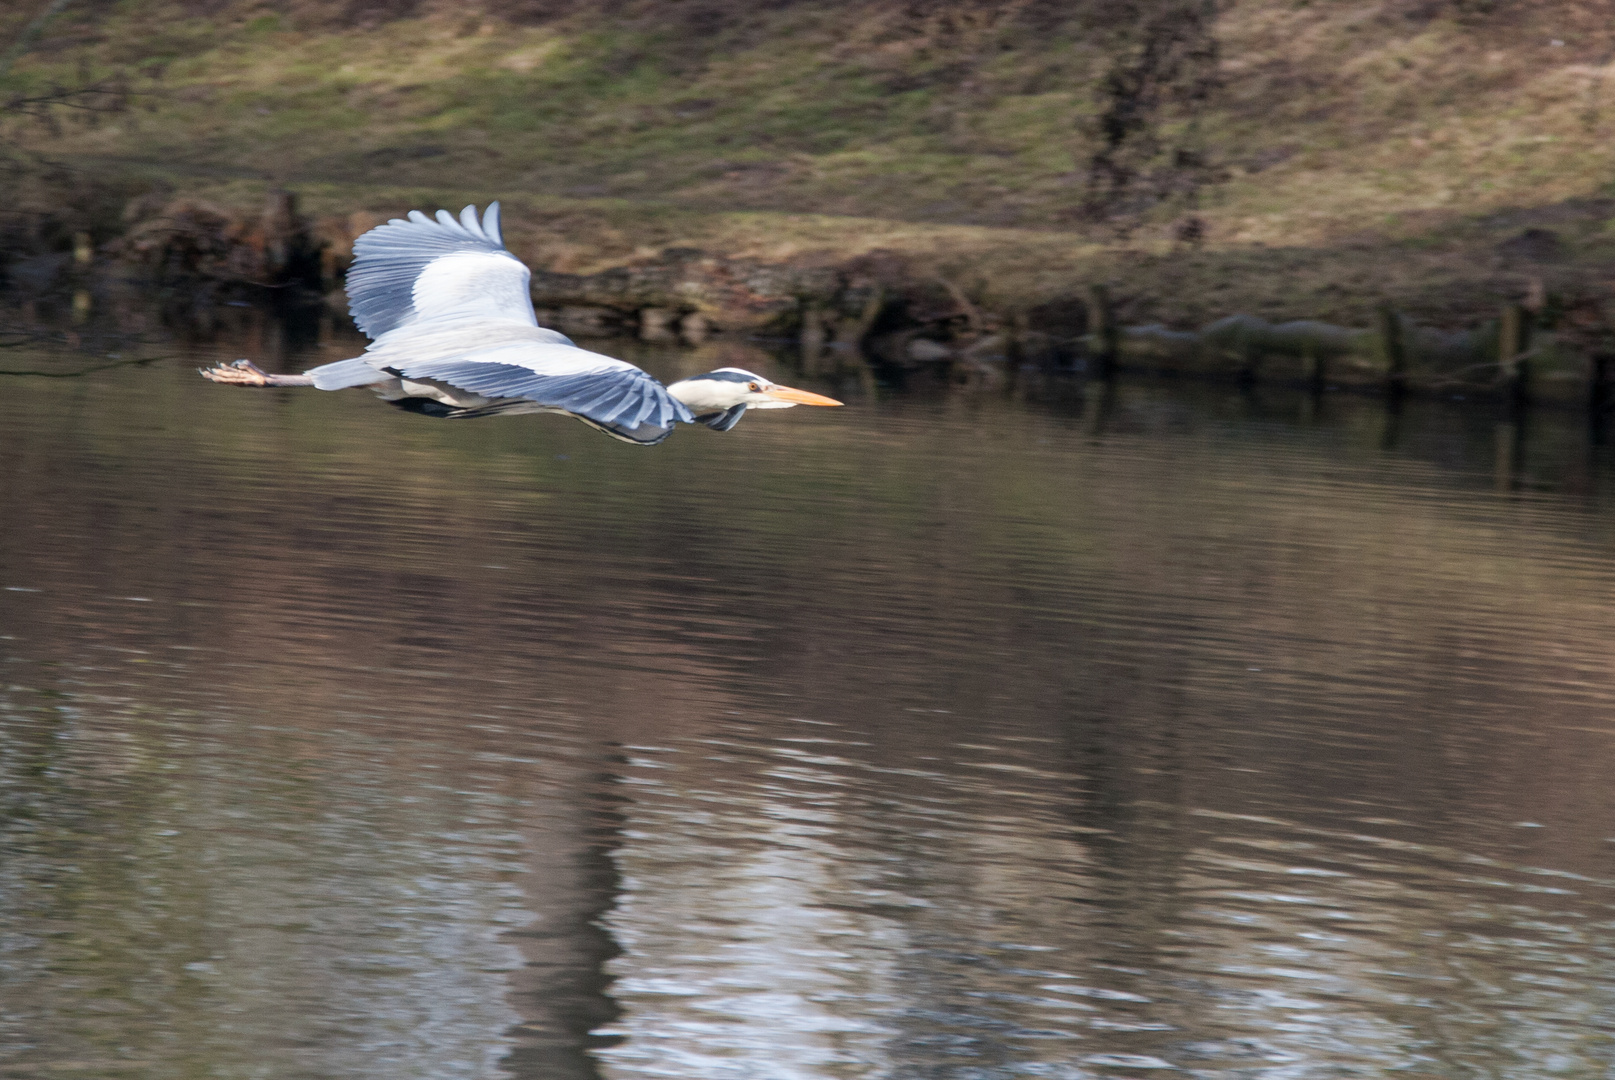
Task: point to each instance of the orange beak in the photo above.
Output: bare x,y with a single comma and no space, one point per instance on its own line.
799,397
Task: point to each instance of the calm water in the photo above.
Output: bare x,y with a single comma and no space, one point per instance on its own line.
947,735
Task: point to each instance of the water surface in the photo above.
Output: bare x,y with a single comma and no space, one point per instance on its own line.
964,733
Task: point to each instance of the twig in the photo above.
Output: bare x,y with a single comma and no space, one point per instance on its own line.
83,98
86,371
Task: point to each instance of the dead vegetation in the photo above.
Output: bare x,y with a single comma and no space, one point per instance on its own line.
1276,158
52,206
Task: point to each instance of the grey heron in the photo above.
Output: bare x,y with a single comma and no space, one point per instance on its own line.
453,334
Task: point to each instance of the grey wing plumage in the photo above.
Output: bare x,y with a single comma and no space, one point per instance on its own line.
619,399
723,421
407,271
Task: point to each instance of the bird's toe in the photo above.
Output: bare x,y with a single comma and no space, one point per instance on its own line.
240,373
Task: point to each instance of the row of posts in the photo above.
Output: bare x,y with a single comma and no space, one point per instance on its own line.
1513,354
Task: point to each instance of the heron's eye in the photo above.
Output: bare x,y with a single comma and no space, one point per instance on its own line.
753,387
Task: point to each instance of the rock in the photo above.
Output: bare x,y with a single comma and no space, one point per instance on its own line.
987,347
1320,338
1159,341
581,321
694,328
192,238
1236,330
1296,338
926,351
729,294
656,324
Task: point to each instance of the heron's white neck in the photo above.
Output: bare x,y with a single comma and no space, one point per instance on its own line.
709,395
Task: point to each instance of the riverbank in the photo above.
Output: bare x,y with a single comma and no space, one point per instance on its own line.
1451,274
1523,316
1443,158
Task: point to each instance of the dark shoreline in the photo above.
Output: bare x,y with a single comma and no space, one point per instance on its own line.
1554,343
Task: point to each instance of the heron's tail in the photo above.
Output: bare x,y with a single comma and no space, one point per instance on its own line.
346,373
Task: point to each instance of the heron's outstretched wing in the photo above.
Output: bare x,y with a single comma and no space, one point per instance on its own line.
609,394
406,272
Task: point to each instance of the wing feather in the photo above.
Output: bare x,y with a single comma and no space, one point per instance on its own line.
646,405
600,402
610,394
409,270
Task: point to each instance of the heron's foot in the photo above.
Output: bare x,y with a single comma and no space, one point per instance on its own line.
246,373
240,373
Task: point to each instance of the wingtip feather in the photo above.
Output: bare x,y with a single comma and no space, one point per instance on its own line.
389,258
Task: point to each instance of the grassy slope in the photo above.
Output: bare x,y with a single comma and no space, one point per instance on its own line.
1372,147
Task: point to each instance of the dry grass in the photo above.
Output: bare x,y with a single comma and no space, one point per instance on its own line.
1372,148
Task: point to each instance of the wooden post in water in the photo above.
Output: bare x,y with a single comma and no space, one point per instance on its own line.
1392,350
83,253
279,232
1314,367
1513,368
1598,396
1509,445
1107,335
853,331
1015,348
1249,357
1314,372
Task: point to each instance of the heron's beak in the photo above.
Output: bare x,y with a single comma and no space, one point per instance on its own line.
798,397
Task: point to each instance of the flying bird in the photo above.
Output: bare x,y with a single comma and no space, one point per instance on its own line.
453,334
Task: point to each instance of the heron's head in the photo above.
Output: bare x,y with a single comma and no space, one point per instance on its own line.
721,390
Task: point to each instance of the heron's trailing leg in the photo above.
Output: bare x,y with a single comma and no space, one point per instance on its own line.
246,373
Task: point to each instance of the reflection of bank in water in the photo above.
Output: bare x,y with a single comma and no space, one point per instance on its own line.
1188,601
1515,358
791,908
749,947
561,990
